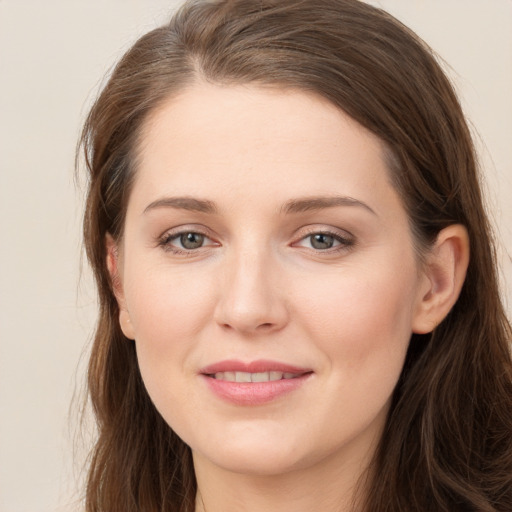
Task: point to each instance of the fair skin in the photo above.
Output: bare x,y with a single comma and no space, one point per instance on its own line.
262,228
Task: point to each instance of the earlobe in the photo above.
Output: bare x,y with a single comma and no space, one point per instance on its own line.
444,273
116,283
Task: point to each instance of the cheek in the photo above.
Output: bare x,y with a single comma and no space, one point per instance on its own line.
163,303
364,325
167,313
363,330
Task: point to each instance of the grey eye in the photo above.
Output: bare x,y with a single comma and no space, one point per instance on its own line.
191,240
322,241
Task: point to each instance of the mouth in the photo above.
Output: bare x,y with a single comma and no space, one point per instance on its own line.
271,376
253,383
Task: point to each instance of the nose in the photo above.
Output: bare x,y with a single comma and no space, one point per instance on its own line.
251,298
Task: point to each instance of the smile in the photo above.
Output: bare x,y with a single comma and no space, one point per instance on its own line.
254,377
255,383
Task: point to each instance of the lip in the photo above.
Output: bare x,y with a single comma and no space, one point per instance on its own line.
253,393
260,365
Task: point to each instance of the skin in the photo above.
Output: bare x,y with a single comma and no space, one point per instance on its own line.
259,289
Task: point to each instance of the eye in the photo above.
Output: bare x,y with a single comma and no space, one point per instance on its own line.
185,241
191,240
324,241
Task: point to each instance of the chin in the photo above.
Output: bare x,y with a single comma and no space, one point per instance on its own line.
257,463
257,454
277,458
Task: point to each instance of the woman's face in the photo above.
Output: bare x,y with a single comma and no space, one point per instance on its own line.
268,277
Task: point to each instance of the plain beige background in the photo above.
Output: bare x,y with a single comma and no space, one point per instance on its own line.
53,55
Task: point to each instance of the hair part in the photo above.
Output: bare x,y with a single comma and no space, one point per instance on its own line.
447,445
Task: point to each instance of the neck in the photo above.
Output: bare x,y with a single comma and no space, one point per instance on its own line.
328,486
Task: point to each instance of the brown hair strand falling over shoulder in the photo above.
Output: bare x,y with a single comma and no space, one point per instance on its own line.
448,441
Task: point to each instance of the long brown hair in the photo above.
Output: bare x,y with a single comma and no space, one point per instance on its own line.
447,445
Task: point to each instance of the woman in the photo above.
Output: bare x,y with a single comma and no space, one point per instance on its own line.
299,306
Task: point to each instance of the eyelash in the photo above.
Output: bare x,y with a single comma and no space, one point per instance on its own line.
344,243
165,242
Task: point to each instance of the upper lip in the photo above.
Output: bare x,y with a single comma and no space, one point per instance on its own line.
258,366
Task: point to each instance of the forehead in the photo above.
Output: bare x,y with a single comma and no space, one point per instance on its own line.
228,141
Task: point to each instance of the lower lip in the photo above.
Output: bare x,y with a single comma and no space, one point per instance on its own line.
254,393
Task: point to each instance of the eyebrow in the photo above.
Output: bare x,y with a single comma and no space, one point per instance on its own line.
183,203
294,206
319,203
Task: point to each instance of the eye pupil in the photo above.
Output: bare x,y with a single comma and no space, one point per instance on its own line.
322,241
191,240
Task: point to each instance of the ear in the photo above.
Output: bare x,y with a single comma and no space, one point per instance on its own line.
444,271
113,266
